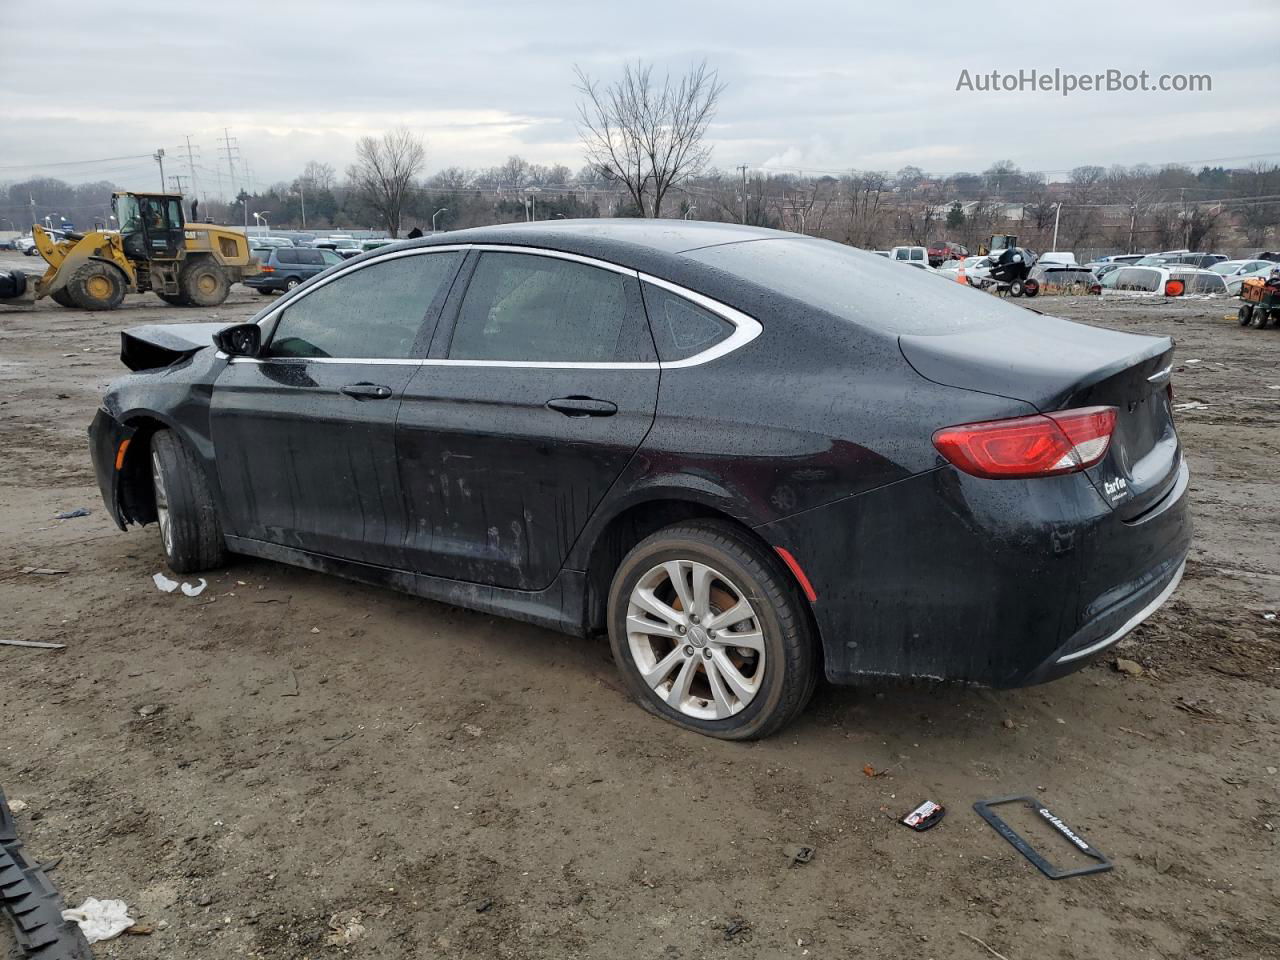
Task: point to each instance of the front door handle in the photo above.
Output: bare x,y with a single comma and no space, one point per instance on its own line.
366,391
583,407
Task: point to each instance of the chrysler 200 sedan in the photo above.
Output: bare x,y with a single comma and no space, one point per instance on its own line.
749,457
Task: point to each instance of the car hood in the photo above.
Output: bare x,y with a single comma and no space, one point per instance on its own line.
163,344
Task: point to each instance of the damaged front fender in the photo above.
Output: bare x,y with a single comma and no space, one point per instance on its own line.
109,441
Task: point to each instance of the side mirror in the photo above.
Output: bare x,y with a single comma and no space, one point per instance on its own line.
241,340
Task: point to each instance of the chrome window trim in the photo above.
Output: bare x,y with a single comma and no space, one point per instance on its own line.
746,328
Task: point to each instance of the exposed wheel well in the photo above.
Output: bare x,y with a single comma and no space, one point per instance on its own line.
634,524
137,495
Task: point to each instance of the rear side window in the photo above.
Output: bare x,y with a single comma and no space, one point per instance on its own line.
1201,282
533,308
288,256
312,258
681,329
374,312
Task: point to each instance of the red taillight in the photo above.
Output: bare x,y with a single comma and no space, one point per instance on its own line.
1173,288
1036,446
268,269
1095,288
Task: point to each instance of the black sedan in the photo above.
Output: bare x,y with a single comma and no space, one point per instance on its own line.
748,457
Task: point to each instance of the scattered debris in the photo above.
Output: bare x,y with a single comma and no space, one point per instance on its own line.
868,770
44,571
797,853
1132,667
928,814
344,930
100,919
32,901
1229,667
72,514
1191,405
982,943
482,906
1008,723
1136,733
1198,709
472,729
1019,843
315,629
32,643
736,927
1268,616
164,584
334,741
204,900
294,692
17,806
195,591
149,709
141,930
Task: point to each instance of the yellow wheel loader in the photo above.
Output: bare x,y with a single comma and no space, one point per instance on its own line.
186,264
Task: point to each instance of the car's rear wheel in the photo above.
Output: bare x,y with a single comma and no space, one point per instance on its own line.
185,512
709,632
291,283
1015,288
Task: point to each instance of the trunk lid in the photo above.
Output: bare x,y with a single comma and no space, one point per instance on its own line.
1055,364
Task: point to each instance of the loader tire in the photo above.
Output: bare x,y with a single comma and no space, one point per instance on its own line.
62,298
203,283
176,299
97,286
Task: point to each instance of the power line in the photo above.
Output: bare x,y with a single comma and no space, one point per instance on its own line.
72,163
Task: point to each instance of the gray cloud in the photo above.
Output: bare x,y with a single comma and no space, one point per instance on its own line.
812,85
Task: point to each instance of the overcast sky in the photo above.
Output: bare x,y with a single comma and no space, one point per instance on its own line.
821,86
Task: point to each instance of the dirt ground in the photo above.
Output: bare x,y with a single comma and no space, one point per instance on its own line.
465,786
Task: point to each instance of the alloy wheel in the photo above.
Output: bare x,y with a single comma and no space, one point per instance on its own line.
162,504
696,639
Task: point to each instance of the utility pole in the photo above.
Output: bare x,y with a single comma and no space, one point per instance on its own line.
1056,214
177,180
158,156
1186,224
743,168
191,167
230,151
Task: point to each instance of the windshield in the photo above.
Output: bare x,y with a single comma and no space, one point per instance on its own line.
128,214
1226,267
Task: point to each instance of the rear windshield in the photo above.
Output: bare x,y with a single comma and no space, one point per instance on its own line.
1068,276
859,286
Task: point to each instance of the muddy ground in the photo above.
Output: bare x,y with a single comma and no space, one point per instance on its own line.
471,787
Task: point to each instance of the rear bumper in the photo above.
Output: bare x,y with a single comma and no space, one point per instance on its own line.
108,446
946,577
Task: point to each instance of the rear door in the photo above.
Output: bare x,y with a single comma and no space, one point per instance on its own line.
305,433
542,383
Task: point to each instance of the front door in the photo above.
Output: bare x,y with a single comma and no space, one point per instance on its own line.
305,433
542,383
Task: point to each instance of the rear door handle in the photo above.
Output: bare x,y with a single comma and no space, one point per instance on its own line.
583,407
366,391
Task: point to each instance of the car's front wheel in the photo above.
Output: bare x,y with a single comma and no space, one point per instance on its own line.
710,632
185,512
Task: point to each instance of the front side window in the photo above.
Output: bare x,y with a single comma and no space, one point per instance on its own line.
374,312
521,306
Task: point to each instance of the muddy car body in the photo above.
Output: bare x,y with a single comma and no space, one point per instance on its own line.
749,457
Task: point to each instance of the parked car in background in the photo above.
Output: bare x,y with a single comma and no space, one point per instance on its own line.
1050,279
1113,260
374,244
1201,260
923,266
346,247
1171,281
1236,271
284,268
272,242
976,492
1102,269
1058,256
27,245
943,250
976,269
910,254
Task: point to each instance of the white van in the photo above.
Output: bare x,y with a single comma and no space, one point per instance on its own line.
910,254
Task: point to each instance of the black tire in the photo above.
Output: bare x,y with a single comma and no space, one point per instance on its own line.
31,251
203,283
97,286
1260,317
1015,288
176,299
62,298
1244,315
191,536
264,293
1030,288
791,661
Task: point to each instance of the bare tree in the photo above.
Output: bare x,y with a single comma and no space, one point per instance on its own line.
383,173
647,135
319,176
